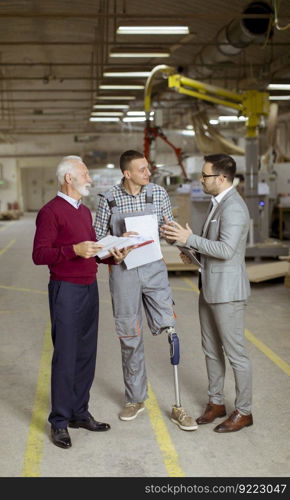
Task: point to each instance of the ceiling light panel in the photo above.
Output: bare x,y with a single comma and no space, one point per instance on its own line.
278,86
121,87
153,30
279,97
139,54
126,74
231,118
106,113
138,113
111,106
104,119
115,98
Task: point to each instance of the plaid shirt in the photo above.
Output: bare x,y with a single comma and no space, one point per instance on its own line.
131,203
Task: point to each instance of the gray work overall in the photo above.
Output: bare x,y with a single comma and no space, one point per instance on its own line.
147,285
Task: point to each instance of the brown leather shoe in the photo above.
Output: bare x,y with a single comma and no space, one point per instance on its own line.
235,422
211,412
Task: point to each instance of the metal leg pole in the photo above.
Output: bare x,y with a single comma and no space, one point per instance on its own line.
176,386
174,358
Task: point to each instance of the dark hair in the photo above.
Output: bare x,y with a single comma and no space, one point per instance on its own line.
127,157
222,164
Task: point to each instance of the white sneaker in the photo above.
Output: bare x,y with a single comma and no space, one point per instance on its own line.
131,410
181,418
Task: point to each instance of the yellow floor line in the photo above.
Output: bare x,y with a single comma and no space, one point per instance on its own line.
7,225
285,367
7,247
31,290
36,434
169,454
192,285
181,288
268,352
17,289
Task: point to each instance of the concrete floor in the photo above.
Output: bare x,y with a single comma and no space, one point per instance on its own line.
151,445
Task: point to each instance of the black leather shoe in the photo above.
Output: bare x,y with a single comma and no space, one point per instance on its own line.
90,424
60,437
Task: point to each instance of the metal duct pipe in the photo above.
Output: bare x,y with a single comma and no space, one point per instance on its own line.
233,38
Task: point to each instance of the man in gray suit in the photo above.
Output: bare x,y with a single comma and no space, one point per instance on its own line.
224,289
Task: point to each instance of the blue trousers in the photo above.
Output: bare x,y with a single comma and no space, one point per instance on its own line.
74,312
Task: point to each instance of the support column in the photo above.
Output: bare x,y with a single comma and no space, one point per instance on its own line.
251,184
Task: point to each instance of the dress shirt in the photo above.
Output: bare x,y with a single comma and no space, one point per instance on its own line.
69,199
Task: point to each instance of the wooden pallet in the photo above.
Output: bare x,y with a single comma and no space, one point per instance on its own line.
267,271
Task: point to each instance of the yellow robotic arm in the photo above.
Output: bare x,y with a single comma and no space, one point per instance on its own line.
250,103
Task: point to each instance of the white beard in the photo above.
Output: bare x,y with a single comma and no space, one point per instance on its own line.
82,189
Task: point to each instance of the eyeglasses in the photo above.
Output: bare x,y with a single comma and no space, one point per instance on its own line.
204,176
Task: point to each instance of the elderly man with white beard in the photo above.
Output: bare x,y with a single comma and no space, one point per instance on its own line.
65,241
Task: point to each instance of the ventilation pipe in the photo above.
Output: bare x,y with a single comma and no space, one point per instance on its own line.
236,36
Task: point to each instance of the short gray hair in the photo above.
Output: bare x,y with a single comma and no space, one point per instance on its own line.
66,165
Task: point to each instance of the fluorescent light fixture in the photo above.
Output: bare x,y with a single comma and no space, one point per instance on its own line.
126,74
110,165
106,113
104,119
232,118
138,113
153,30
111,106
279,86
121,87
135,119
115,98
213,122
188,132
279,97
140,54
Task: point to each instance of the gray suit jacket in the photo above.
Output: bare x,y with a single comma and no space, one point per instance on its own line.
222,247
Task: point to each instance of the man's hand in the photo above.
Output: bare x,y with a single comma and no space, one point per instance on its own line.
162,234
185,259
119,255
175,232
87,249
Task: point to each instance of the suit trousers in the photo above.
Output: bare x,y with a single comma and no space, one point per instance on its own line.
222,331
74,311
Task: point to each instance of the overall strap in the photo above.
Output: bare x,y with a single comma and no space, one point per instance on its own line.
111,202
149,194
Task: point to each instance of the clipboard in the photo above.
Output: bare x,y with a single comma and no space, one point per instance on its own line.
189,252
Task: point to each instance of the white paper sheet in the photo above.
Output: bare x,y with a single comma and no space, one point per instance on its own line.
119,242
147,226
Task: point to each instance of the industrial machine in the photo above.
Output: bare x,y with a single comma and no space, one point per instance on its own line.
253,105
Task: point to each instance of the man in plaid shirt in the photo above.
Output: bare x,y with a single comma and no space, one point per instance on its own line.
131,203
145,285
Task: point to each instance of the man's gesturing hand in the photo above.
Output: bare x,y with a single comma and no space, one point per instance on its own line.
174,231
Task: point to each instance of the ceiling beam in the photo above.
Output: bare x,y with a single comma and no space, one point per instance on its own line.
121,44
95,15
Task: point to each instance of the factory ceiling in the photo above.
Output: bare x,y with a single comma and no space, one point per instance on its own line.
57,58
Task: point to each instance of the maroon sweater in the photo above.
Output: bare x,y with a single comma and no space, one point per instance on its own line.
58,227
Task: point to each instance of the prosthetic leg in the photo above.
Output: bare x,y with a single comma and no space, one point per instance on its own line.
174,358
178,415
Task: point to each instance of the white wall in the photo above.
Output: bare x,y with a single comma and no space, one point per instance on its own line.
9,192
45,151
